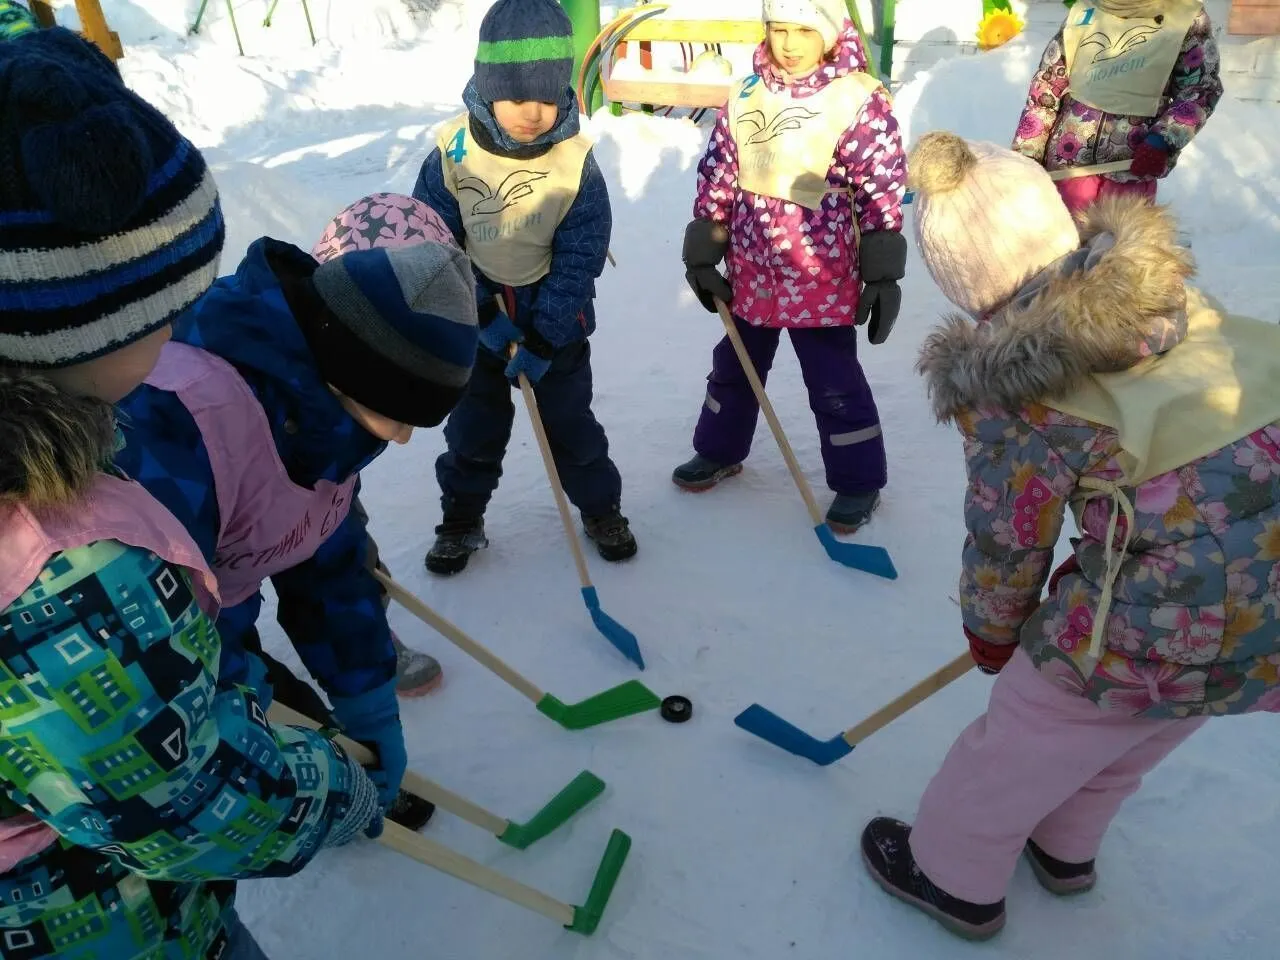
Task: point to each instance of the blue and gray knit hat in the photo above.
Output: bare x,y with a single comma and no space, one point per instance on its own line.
109,219
398,330
525,52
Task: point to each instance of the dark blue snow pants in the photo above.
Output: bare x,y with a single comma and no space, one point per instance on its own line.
479,429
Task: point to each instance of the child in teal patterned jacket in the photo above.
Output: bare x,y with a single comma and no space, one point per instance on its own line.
134,786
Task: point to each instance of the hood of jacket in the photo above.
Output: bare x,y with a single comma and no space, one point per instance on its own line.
496,140
846,57
247,320
1117,300
52,444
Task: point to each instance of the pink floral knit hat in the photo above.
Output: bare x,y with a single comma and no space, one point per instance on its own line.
381,220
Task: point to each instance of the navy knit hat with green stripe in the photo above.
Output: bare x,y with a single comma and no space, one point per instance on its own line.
525,52
109,219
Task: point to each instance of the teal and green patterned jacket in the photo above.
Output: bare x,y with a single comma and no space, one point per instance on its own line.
162,786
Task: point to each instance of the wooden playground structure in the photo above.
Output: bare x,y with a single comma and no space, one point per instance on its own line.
93,25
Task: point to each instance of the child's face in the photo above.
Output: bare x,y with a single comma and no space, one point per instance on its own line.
524,121
384,428
117,374
797,50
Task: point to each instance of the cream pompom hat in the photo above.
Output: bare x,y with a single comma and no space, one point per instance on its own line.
987,219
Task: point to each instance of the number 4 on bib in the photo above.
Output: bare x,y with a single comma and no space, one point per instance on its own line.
457,151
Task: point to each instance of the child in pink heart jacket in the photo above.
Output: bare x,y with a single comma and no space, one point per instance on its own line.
800,193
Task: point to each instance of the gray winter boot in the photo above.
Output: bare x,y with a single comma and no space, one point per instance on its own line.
416,673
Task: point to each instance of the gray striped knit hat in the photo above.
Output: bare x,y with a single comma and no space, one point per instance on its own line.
525,52
109,219
399,332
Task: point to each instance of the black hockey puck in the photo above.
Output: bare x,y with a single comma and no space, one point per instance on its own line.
676,709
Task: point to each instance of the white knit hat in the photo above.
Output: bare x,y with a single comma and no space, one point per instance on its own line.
987,219
825,16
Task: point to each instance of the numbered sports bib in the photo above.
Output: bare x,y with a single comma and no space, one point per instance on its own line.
510,208
785,145
1122,65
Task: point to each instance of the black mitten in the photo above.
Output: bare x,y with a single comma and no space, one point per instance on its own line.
705,244
882,258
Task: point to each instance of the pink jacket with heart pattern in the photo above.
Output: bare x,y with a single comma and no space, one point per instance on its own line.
793,267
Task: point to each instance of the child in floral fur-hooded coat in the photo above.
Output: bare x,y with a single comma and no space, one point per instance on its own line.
1095,378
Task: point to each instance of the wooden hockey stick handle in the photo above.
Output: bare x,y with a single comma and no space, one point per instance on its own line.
441,858
1074,173
472,648
921,692
553,475
775,425
426,789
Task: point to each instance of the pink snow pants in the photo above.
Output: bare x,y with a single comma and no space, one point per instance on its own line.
1042,763
1082,192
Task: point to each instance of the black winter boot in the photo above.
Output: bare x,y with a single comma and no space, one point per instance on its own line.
612,536
1058,876
701,474
456,541
887,855
411,811
851,511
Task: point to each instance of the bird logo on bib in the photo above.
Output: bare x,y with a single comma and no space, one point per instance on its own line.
1121,65
786,146
510,208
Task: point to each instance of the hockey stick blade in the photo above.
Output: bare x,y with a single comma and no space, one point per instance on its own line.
613,631
624,700
585,787
858,556
586,918
767,725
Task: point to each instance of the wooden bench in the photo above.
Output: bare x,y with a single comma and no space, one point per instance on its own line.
667,88
93,25
1254,18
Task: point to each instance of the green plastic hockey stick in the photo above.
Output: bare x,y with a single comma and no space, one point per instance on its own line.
561,808
585,787
584,919
624,700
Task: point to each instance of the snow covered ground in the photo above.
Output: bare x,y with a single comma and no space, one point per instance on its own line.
741,852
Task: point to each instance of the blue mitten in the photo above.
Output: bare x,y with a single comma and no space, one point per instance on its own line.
500,332
373,719
529,363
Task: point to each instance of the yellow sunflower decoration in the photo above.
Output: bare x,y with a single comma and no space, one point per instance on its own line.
997,28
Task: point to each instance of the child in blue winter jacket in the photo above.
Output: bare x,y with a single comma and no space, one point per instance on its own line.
519,187
283,382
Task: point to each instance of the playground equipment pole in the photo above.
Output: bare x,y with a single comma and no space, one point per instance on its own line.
888,19
585,15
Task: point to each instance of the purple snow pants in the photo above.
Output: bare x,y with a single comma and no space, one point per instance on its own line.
839,395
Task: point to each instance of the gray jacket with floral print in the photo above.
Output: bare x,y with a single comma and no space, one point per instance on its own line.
1058,131
1194,623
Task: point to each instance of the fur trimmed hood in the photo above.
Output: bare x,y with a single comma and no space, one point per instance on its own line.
1118,299
52,444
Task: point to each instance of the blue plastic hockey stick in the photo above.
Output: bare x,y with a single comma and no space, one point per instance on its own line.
618,635
873,560
767,725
